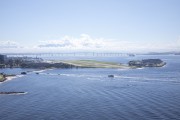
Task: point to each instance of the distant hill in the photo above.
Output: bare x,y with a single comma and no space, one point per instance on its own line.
163,53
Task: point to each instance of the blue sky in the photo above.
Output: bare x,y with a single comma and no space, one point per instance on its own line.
89,25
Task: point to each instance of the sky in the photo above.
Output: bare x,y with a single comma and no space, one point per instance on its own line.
89,25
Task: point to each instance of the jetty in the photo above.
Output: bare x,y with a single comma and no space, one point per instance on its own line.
12,93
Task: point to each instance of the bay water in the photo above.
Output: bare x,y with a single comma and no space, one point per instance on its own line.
88,93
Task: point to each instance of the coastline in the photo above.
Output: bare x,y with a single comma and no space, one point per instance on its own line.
9,78
69,64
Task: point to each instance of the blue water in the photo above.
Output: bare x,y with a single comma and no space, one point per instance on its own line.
88,94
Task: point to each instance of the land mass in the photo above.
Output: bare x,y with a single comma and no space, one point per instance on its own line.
39,63
75,64
3,76
84,64
95,64
147,63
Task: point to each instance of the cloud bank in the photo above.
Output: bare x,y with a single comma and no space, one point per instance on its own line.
86,43
8,44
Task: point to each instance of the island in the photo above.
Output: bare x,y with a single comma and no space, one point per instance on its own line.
147,63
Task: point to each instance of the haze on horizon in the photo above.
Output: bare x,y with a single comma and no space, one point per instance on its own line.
94,25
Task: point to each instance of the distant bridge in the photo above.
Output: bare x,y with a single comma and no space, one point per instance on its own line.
95,54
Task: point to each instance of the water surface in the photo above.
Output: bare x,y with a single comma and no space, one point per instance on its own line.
88,94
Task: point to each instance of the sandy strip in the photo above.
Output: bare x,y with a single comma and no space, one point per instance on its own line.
40,71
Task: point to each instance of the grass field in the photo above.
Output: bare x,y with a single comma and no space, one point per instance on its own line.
94,64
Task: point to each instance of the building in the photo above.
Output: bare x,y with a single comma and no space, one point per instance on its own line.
3,59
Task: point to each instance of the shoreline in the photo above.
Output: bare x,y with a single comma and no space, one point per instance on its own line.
9,78
70,64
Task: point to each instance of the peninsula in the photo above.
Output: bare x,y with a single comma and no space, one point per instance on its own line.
39,63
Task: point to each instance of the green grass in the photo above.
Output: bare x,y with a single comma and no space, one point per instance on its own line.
1,78
94,64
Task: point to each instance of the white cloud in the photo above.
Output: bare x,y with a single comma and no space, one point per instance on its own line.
84,42
89,44
8,45
11,47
